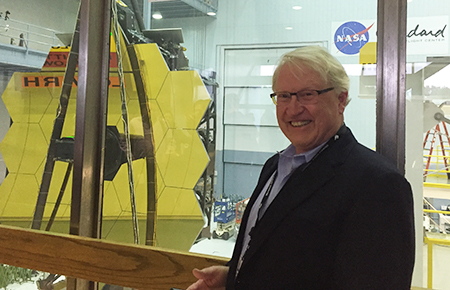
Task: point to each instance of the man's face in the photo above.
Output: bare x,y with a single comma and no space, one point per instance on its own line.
308,126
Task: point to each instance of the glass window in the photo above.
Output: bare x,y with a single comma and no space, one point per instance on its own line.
208,80
427,138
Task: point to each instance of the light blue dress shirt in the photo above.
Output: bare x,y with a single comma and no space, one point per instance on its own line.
287,163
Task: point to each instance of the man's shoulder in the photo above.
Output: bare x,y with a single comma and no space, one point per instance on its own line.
365,157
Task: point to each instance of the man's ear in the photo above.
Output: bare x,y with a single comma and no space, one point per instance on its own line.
343,101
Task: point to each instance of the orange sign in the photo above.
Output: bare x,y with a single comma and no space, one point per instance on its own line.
57,58
57,81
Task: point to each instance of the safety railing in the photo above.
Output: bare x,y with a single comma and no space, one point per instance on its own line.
437,164
442,215
430,243
440,226
433,241
29,36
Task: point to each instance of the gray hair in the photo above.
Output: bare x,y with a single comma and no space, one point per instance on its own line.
318,59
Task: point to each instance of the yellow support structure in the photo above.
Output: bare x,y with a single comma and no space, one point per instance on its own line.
430,242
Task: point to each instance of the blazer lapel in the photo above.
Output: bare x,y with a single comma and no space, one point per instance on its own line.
266,172
299,187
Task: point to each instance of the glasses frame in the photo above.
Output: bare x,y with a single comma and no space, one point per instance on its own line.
319,92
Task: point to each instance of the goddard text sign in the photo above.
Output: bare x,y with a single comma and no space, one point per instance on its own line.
427,35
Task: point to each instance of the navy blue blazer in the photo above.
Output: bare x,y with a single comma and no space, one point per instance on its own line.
344,222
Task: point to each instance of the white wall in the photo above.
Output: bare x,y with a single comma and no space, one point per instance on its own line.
54,14
243,22
263,22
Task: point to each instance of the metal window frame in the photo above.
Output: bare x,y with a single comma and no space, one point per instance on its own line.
391,80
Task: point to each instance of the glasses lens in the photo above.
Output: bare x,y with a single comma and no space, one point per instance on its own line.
307,97
283,98
303,97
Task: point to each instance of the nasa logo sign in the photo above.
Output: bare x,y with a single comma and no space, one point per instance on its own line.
351,36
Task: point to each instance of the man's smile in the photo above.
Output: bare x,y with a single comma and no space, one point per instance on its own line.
300,123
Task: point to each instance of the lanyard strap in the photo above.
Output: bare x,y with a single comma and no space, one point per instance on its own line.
272,181
266,196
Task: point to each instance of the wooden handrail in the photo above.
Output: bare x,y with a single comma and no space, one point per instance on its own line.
134,266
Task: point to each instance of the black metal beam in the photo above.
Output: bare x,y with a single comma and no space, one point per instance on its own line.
90,127
391,80
58,125
150,149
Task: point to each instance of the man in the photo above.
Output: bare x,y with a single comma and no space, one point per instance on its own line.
327,212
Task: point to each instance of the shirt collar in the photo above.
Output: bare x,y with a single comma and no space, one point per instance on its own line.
289,160
289,152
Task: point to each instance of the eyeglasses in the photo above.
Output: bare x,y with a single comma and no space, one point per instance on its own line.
306,97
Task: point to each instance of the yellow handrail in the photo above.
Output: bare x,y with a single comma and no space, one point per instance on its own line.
437,156
430,242
437,211
434,184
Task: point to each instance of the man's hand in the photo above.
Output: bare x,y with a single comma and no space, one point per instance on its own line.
211,278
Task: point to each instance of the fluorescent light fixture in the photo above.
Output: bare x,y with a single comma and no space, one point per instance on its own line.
296,7
157,15
266,70
288,28
211,13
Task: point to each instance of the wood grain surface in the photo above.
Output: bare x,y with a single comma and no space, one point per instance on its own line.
134,266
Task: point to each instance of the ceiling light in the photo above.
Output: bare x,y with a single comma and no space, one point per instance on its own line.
157,15
266,70
296,7
211,13
288,28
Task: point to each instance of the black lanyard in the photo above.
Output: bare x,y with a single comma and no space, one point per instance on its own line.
272,182
266,195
